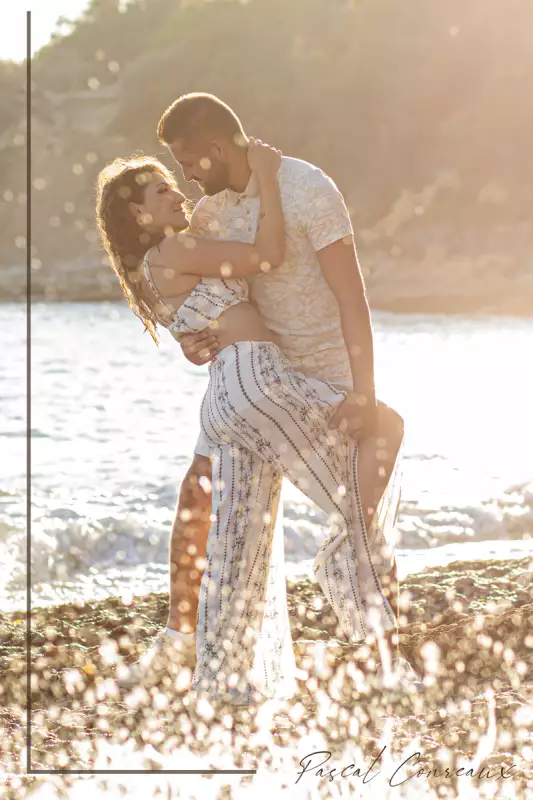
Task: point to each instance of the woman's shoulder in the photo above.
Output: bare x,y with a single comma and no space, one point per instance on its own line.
169,248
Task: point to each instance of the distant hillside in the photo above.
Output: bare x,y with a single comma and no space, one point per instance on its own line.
421,111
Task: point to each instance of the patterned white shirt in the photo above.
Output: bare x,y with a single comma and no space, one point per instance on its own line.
294,299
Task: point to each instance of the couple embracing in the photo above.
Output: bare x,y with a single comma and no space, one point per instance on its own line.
261,281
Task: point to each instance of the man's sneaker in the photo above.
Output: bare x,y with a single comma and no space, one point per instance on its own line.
168,653
401,680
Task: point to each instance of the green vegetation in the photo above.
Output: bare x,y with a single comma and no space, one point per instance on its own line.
420,111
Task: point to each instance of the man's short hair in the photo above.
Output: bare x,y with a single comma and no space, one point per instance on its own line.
198,115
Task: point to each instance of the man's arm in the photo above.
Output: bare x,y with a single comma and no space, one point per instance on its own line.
330,232
341,270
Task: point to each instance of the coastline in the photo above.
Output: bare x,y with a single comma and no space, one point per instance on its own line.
469,626
402,288
519,307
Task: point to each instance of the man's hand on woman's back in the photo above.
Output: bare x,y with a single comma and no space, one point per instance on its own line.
199,348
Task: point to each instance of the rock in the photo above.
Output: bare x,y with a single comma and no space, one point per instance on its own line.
312,634
465,586
525,579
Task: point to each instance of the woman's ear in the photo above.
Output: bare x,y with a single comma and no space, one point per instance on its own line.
135,210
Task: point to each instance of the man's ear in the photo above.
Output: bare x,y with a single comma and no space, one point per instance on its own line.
219,149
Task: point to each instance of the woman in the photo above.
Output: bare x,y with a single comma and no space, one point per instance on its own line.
255,403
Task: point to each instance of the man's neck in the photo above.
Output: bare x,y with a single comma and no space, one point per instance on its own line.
240,172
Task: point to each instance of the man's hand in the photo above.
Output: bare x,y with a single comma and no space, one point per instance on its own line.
199,348
356,416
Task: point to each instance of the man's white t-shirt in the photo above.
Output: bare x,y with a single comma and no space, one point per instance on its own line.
294,299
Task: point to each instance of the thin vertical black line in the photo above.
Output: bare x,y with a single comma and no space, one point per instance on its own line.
29,770
28,390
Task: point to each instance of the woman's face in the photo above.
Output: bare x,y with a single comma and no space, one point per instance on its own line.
162,207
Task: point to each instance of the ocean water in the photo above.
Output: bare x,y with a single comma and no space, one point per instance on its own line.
115,419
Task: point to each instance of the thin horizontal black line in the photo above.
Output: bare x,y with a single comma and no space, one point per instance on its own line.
141,772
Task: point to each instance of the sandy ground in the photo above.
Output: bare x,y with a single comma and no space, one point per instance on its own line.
468,628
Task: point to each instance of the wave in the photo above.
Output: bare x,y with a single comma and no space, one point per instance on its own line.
66,545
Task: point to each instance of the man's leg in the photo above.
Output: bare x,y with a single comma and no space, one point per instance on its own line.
188,544
187,557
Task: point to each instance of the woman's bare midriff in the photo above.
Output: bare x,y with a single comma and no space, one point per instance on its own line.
241,323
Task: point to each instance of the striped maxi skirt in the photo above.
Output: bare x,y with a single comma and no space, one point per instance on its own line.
263,421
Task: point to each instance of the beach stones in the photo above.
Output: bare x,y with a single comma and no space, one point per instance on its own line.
525,579
465,586
313,634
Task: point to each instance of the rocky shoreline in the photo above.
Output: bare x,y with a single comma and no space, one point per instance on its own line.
433,178
467,627
446,286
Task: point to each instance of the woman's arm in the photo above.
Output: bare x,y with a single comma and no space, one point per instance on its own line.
270,237
184,254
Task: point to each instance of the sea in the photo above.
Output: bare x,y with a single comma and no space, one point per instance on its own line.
114,420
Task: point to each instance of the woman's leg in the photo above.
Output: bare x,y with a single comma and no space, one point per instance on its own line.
258,401
242,592
376,459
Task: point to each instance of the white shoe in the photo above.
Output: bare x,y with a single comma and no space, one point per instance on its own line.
249,696
401,680
167,652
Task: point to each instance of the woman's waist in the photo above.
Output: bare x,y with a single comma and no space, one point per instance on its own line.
231,353
241,323
207,307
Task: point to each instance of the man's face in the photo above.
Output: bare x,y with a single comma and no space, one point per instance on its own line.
203,164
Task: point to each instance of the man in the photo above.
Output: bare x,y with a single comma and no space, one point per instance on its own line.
315,302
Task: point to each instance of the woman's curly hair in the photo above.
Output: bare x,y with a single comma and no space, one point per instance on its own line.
119,183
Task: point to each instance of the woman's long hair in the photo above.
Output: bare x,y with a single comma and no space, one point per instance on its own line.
119,183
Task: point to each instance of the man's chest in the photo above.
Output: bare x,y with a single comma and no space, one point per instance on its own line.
239,221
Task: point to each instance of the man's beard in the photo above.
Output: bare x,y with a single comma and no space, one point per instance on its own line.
217,183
